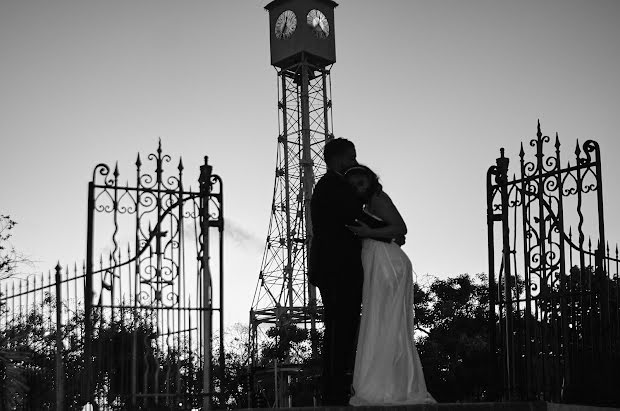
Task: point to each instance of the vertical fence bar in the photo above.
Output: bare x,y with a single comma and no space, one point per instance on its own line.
181,281
60,374
527,318
221,261
88,288
136,293
517,326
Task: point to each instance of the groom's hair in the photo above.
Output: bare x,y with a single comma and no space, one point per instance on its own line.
335,148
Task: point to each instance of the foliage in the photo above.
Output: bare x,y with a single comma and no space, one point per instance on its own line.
288,347
12,379
10,259
33,336
237,357
30,339
8,255
288,344
452,338
574,337
454,347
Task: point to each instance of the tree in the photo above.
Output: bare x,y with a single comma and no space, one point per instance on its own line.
288,347
237,357
7,251
12,378
454,350
10,259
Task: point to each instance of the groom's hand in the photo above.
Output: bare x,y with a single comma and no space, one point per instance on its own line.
361,230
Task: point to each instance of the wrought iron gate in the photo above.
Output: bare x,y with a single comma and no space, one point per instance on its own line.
149,305
555,328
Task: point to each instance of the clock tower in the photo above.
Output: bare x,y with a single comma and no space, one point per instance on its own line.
302,44
299,28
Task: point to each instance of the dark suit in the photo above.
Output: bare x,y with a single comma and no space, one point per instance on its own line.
335,267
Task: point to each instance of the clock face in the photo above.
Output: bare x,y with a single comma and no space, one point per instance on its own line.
318,24
285,25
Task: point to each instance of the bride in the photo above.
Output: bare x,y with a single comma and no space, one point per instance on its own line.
387,366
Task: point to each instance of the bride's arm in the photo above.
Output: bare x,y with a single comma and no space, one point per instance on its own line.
382,206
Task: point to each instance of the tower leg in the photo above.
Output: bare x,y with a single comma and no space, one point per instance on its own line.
283,296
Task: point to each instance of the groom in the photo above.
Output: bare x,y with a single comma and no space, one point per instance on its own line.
335,267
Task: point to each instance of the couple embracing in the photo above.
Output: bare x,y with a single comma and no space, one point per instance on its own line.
357,264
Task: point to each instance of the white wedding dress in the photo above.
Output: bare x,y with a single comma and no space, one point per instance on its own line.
387,365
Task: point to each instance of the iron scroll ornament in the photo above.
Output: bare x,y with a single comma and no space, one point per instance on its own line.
152,195
542,180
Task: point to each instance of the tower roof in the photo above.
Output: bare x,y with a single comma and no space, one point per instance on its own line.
275,3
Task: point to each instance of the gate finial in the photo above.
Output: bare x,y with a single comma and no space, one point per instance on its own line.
502,166
607,246
577,151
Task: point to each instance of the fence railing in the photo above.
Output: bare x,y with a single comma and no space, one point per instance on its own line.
554,298
132,329
41,317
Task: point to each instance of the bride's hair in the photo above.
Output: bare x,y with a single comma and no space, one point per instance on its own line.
375,186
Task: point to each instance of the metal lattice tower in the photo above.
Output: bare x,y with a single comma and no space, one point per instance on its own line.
283,295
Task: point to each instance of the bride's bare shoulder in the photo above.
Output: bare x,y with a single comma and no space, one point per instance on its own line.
381,198
380,202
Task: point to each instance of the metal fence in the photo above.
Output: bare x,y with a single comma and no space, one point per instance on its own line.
131,328
553,283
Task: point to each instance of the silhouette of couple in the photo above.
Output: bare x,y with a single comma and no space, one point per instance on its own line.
357,264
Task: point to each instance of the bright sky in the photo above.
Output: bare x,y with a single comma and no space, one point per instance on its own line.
428,91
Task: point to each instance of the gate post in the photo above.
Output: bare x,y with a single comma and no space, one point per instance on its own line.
87,396
592,146
502,181
491,217
205,188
